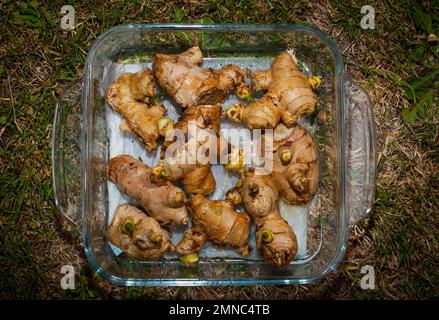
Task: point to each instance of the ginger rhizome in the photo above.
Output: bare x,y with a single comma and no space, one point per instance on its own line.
137,234
288,95
275,240
127,96
295,166
189,84
203,116
196,178
216,221
159,197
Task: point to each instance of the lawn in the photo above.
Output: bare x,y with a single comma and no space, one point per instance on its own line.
396,63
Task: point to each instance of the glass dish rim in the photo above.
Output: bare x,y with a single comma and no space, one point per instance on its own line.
339,88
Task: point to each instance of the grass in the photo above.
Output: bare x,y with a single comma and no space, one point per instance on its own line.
393,63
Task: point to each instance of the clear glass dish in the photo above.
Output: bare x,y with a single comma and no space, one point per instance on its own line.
81,148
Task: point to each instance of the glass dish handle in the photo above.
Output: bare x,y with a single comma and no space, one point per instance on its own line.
361,161
66,155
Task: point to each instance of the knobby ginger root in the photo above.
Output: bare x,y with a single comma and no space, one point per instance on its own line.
295,167
137,234
127,96
161,200
275,240
189,84
216,221
288,96
196,178
192,242
203,116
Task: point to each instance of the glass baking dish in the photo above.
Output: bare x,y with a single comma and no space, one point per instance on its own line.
345,137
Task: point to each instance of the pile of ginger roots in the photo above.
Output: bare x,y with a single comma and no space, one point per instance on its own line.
144,231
